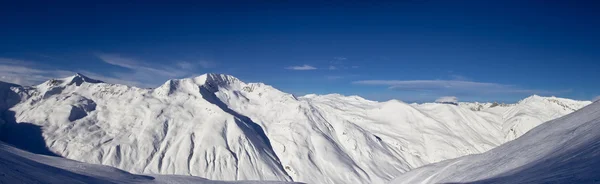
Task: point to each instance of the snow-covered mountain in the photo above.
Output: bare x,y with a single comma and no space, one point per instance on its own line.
565,150
19,166
526,114
218,127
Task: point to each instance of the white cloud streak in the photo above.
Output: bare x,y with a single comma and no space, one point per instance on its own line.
447,99
27,73
144,74
303,67
140,68
139,73
451,86
425,84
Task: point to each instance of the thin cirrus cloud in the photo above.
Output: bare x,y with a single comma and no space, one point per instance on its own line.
340,58
141,68
335,64
28,73
146,74
138,73
303,67
452,86
201,64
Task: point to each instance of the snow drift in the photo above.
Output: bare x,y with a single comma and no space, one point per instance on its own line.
565,150
218,127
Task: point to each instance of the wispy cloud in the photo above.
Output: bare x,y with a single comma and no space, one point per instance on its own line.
207,64
114,80
138,72
340,58
458,77
194,65
452,86
334,77
340,63
139,67
117,60
146,74
184,64
30,73
447,99
303,67
27,73
426,84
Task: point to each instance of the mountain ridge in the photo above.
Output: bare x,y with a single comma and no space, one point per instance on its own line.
224,80
564,150
218,127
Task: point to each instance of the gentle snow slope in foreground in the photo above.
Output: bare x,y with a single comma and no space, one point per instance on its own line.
17,166
565,150
218,127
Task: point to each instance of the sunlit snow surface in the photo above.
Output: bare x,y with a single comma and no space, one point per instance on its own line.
218,127
19,166
565,150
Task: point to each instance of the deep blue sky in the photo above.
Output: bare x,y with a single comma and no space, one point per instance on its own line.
411,50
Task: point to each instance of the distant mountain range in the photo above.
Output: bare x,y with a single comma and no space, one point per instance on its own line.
565,150
217,127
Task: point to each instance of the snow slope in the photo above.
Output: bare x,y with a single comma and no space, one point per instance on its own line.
218,127
565,150
18,166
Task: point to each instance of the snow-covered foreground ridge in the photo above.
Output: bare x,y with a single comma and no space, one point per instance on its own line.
23,167
218,127
565,150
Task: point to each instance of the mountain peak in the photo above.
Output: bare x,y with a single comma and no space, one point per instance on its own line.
532,98
220,77
217,80
562,102
211,81
79,79
76,79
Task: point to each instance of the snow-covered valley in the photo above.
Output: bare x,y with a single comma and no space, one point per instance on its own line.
217,127
565,150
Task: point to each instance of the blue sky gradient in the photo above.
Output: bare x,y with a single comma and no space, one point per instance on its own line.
414,51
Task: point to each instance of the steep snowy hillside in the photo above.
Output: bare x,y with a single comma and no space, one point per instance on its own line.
18,166
565,150
528,113
174,129
218,127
